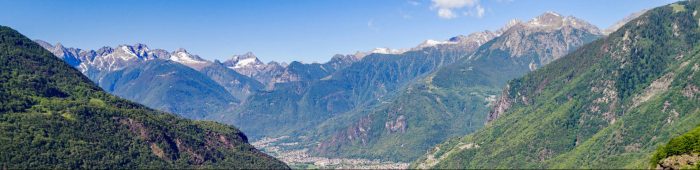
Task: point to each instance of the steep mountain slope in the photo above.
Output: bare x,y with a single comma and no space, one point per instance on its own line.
168,86
51,116
609,104
454,100
297,105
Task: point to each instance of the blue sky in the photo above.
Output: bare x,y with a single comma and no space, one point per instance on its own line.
284,30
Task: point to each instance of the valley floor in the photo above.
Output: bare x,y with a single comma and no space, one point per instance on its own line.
298,157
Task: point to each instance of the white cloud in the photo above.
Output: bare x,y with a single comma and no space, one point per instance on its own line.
405,15
446,13
446,8
454,3
479,11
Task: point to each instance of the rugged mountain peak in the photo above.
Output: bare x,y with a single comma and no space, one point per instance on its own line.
110,59
274,63
379,50
182,56
385,50
59,46
339,61
549,18
140,47
554,21
249,65
477,38
180,50
553,34
432,43
340,57
126,52
246,60
105,50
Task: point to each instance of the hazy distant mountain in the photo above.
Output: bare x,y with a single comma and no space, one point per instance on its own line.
323,93
273,73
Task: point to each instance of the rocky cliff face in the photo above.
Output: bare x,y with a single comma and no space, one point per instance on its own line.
500,106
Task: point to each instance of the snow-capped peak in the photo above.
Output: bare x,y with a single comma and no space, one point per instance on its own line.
548,19
141,47
243,56
125,52
180,50
182,56
552,13
431,43
244,60
387,51
553,20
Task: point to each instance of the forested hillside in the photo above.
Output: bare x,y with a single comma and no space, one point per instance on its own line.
51,116
610,104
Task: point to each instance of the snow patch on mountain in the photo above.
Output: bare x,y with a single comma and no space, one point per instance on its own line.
245,62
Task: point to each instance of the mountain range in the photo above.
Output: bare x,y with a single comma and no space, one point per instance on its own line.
452,99
554,80
187,84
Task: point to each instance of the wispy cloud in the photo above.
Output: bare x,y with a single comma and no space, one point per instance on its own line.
370,25
478,11
447,9
404,14
414,2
